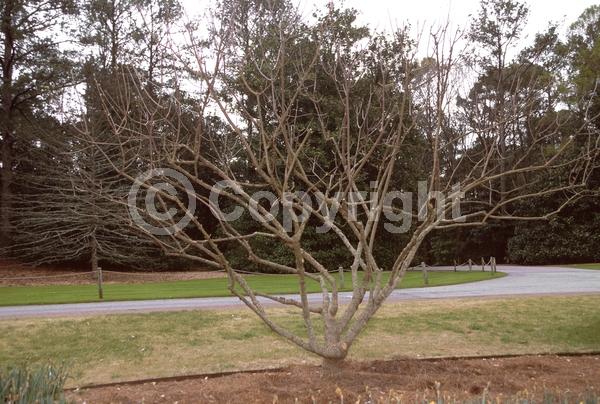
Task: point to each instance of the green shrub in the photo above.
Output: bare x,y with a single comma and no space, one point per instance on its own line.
561,240
24,384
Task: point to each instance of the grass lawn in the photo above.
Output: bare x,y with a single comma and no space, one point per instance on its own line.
585,266
134,346
23,295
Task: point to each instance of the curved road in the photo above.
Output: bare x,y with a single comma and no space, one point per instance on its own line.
520,281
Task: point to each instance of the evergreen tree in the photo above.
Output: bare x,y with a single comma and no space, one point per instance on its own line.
34,71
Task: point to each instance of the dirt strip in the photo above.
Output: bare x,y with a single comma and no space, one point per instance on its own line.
534,376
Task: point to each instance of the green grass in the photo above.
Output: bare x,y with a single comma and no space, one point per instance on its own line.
281,284
585,266
101,349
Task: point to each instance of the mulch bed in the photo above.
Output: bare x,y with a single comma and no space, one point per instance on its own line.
405,380
17,274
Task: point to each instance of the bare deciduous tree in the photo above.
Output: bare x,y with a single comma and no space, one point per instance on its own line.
318,165
66,210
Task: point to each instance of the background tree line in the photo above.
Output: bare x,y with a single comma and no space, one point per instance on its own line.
71,69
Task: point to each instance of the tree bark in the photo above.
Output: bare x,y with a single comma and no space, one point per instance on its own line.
6,129
6,177
333,367
94,253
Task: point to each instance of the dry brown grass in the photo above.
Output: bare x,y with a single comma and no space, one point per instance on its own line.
125,347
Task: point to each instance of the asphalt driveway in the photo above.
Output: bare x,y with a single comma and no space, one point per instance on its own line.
520,281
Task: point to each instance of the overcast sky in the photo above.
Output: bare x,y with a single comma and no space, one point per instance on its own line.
384,14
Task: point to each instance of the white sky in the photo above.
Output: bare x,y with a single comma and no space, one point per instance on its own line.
384,14
389,14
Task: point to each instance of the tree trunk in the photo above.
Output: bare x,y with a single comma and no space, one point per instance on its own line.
5,200
6,130
94,253
333,367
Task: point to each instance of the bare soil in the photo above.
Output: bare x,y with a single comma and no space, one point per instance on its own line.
16,274
405,380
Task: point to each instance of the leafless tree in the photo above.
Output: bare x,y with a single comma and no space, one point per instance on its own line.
318,165
66,210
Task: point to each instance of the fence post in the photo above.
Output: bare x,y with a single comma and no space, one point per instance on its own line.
454,265
100,290
425,275
341,270
470,265
482,264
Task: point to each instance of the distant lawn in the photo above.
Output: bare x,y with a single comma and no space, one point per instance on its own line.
280,284
109,348
584,266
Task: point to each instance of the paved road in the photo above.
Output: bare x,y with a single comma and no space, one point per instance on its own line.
520,281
